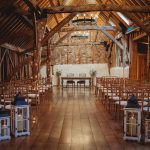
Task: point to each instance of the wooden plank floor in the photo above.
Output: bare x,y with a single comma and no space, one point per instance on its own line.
72,120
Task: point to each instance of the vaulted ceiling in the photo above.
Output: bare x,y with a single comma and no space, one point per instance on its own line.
17,26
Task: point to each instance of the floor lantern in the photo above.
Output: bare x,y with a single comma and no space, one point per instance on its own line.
20,117
4,125
132,120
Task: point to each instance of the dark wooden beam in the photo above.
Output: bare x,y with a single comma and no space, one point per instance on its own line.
77,44
58,27
61,39
11,47
33,8
98,7
141,25
52,4
108,28
54,46
28,50
139,36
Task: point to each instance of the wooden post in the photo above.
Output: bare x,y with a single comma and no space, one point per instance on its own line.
49,63
40,27
148,60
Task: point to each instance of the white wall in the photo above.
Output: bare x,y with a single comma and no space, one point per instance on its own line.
120,72
102,70
43,71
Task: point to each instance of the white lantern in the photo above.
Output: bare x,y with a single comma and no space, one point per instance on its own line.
147,129
20,117
4,125
132,120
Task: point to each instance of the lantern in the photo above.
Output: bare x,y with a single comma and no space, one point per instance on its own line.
4,125
132,120
147,129
20,117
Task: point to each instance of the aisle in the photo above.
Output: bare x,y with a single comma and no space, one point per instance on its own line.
73,120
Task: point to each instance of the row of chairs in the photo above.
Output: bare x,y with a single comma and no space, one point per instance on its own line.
115,92
33,93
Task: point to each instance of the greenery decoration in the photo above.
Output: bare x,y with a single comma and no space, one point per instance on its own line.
58,73
93,73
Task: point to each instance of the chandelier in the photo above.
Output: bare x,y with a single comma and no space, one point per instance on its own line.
85,19
80,35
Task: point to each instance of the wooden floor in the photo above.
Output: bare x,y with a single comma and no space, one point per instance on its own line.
73,120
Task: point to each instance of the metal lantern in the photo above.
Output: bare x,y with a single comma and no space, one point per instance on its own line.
4,125
20,117
132,120
147,129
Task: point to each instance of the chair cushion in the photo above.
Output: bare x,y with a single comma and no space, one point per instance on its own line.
33,95
8,106
122,103
116,98
146,109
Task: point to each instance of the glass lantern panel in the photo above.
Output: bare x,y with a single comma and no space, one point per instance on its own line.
132,117
132,120
20,120
25,119
25,113
4,128
132,130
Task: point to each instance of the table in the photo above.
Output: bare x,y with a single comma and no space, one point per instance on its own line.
76,78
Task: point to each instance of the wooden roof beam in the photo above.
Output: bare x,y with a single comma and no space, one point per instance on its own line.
62,39
141,25
58,27
54,46
29,50
11,47
77,44
98,7
33,8
108,28
55,17
52,4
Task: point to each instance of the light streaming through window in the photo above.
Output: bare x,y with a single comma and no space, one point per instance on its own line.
128,22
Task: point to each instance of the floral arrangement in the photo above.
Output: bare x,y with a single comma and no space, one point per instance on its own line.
58,73
93,73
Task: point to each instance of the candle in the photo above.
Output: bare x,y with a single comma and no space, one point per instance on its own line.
132,126
20,123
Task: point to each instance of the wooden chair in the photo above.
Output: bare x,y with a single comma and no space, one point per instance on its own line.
81,82
70,82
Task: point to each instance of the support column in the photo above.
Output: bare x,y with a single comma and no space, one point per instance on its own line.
39,35
148,60
49,47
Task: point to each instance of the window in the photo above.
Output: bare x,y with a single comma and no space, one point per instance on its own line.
127,21
112,23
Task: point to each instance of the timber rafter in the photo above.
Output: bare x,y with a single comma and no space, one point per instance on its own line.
58,27
99,7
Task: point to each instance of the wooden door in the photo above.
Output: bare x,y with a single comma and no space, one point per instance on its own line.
141,67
